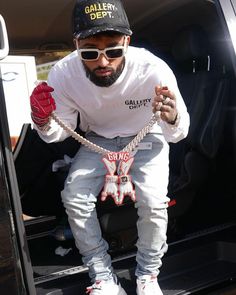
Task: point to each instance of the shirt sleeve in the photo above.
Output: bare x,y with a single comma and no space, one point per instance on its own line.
66,110
178,131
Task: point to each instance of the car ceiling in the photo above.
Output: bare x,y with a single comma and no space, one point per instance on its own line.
45,25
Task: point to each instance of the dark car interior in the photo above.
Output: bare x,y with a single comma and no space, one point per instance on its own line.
192,38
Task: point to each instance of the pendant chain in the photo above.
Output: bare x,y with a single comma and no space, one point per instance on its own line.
98,149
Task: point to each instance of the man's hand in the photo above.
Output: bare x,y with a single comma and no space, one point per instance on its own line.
42,104
165,103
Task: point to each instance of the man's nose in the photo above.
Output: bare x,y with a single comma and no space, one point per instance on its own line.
102,60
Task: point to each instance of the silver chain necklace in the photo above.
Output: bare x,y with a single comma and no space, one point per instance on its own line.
129,148
118,183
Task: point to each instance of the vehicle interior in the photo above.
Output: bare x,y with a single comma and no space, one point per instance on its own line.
191,36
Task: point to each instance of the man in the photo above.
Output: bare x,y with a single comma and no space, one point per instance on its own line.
114,88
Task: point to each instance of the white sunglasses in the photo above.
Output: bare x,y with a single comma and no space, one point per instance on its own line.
92,54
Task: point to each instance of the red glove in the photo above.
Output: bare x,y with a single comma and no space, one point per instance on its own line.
42,104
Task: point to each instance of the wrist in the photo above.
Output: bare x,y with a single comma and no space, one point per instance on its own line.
42,124
45,127
39,120
175,121
111,178
124,179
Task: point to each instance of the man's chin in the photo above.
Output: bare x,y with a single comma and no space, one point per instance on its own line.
105,78
103,81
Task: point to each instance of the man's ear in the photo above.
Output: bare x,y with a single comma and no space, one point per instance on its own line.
75,41
128,39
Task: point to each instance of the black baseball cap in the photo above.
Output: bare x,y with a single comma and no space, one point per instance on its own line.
91,17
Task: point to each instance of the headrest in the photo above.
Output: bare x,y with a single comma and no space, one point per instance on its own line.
190,43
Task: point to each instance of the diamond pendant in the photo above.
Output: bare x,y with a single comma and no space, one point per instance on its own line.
118,183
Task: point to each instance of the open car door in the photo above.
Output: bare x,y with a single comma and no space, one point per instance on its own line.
15,266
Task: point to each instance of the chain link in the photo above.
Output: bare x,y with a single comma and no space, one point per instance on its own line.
98,149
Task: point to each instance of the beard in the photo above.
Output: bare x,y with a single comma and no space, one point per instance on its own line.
104,81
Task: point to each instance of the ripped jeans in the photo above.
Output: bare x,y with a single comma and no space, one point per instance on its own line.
149,172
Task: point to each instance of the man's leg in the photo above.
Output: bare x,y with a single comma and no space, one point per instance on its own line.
83,184
150,175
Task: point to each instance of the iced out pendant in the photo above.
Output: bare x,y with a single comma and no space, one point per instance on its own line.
118,183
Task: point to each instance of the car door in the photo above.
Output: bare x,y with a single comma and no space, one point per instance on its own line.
15,269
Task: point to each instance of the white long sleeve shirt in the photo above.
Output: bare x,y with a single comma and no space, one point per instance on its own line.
121,109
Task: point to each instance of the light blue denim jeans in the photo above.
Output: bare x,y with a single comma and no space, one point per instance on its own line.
149,172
